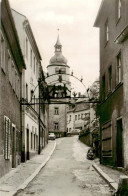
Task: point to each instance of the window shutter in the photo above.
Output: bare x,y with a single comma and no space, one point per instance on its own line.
6,138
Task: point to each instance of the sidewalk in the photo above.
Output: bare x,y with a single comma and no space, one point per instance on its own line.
109,174
18,178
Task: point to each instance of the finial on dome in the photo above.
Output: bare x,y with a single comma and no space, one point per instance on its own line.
58,45
58,40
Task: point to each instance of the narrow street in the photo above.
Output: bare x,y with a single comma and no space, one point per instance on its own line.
69,173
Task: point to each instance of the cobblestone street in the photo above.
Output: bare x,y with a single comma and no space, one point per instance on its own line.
69,173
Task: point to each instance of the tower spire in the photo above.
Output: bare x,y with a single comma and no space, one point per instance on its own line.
58,45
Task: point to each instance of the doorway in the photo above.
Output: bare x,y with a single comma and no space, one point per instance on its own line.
28,144
119,146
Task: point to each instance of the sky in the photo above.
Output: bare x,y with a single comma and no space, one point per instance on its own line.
75,20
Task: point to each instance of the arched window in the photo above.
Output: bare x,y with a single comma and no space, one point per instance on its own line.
63,70
57,70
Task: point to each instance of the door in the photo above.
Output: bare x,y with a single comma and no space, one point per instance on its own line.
27,144
13,147
119,144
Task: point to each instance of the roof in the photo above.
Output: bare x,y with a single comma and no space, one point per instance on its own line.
71,110
98,15
11,33
58,42
81,99
58,58
30,30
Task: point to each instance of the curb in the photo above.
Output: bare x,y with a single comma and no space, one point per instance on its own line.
30,178
109,180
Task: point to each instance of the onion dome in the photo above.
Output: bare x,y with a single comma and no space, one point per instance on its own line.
58,58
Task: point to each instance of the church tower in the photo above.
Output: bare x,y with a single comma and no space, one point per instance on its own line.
58,71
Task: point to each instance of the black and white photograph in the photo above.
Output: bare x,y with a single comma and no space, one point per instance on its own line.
64,97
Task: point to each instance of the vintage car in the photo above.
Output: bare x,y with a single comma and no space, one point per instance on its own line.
51,136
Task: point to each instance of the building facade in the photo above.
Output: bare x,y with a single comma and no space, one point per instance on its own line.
31,138
11,68
112,20
58,71
79,116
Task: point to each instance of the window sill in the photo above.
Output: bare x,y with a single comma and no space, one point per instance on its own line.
106,44
118,85
3,70
109,93
118,20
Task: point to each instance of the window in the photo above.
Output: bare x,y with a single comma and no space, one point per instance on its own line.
17,85
19,88
56,126
119,71
6,138
34,142
56,111
2,52
17,140
79,117
13,76
103,87
32,97
75,117
106,32
31,58
34,65
119,8
34,103
11,73
107,139
110,79
63,70
70,117
37,70
57,70
26,48
26,92
31,140
9,67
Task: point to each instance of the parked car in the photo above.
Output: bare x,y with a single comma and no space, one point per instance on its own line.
76,131
51,136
